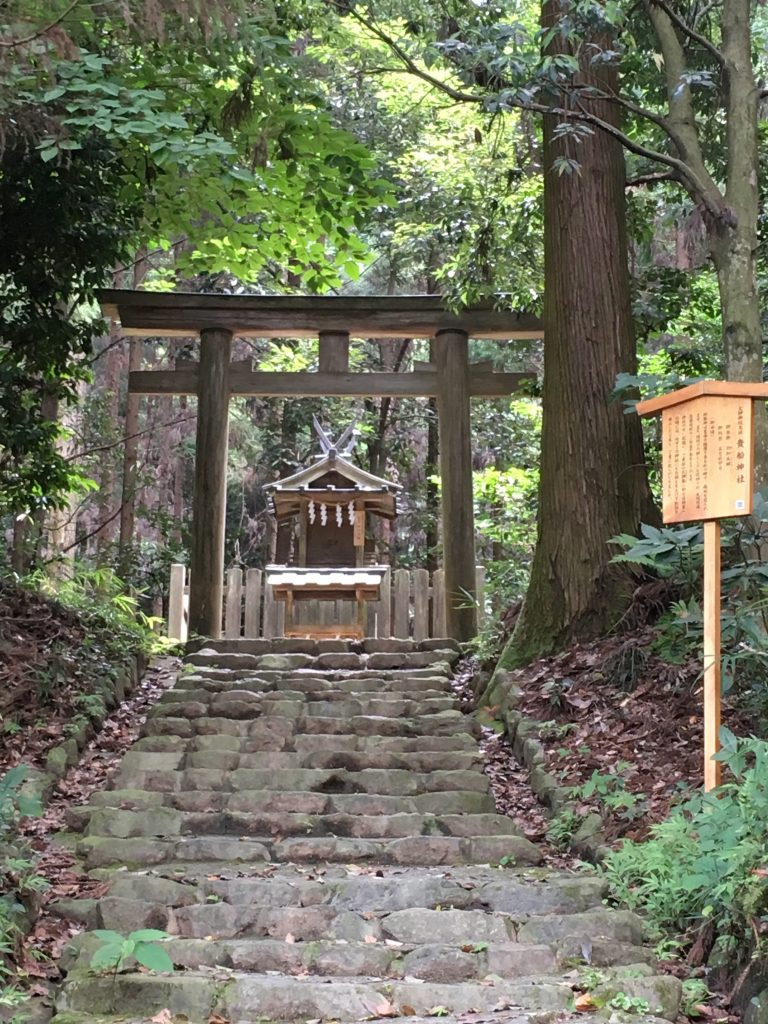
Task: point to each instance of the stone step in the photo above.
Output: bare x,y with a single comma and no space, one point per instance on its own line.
329,661
240,704
377,891
378,781
240,996
353,761
289,802
370,645
310,823
295,688
102,851
164,821
271,741
445,723
341,958
415,680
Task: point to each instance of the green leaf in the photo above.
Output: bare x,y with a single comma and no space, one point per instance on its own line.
49,153
148,934
150,955
108,936
106,956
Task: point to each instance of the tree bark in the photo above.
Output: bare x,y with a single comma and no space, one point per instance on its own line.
734,249
593,481
730,218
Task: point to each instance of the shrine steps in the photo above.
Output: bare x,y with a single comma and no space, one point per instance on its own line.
318,842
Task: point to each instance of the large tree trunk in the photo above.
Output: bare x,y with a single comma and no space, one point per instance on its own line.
734,247
593,477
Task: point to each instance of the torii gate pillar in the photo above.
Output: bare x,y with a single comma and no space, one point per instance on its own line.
209,504
451,350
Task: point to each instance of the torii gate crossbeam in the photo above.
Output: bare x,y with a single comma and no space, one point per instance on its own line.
215,379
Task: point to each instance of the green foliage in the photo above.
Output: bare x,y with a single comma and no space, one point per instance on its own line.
706,863
609,791
561,829
228,145
117,951
695,996
14,803
18,875
115,627
676,553
630,1004
64,228
671,552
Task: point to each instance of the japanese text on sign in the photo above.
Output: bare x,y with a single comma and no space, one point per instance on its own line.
707,458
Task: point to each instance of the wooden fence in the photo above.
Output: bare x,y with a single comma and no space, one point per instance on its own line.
412,605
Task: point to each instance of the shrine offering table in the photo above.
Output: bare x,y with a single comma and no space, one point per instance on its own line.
293,584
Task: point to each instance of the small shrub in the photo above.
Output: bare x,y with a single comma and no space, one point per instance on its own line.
707,861
117,951
561,829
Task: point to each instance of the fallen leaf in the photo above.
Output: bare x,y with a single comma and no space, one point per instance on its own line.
407,1011
216,1018
584,1002
162,1017
385,1009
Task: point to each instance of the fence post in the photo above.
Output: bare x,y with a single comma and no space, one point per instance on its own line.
252,603
402,603
384,607
233,607
438,603
420,604
176,624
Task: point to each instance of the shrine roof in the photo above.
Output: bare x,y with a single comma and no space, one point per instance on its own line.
181,314
334,463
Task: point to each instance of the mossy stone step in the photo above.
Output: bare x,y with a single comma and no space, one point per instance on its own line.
311,826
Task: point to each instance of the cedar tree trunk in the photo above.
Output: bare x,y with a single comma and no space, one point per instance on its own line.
593,477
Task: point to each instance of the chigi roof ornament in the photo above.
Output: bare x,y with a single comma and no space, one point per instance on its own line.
345,444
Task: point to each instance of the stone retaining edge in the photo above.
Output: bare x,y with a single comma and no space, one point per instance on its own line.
501,697
39,782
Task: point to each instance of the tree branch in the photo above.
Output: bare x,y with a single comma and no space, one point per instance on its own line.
129,437
651,178
97,529
11,44
684,27
682,116
410,64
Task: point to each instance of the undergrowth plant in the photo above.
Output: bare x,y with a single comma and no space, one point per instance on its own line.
676,554
706,864
100,600
117,951
19,880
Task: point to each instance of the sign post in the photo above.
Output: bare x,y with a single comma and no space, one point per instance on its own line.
707,450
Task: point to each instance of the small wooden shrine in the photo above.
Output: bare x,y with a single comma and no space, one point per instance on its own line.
324,550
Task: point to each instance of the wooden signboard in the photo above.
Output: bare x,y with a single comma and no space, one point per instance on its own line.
706,458
707,467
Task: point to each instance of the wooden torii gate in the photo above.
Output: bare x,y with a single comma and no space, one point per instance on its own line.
333,319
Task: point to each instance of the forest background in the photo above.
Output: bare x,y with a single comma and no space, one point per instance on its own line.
593,162
294,150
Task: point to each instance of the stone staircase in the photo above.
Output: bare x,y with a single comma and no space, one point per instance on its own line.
311,824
